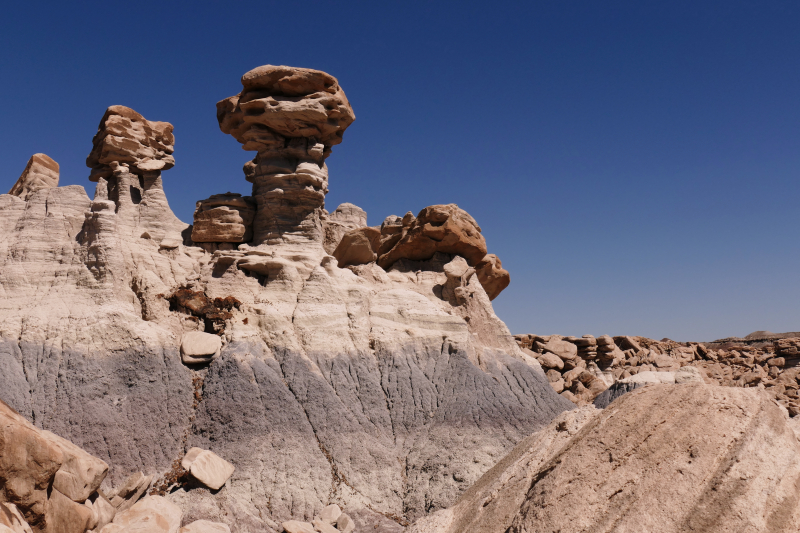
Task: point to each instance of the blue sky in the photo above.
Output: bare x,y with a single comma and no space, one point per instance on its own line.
634,164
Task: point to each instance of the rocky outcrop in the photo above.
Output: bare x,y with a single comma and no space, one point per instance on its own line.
331,385
443,229
358,247
664,458
41,172
291,117
224,218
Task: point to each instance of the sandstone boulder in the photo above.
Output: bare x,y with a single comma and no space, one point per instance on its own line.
66,516
346,217
330,514
129,493
126,137
224,218
207,467
80,474
199,347
11,518
493,277
295,526
358,247
345,524
41,172
153,514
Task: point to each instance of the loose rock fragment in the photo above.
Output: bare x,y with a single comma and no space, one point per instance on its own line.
207,467
198,347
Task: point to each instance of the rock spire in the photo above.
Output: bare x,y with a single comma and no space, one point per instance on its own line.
291,117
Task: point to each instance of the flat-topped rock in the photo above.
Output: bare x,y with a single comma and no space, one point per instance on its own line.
224,218
200,347
207,467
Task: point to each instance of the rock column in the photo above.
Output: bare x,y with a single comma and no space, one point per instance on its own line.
291,117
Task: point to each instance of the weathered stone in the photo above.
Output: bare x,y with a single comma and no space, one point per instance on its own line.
224,218
80,474
322,526
493,277
126,137
28,464
199,347
358,247
102,510
66,516
549,360
205,526
11,518
345,524
153,514
130,492
207,467
330,514
344,218
41,172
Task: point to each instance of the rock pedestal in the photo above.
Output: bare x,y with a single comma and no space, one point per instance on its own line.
291,117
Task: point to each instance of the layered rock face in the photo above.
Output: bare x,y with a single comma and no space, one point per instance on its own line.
291,117
380,390
41,172
665,458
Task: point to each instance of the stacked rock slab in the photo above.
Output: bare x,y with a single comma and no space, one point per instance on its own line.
41,172
224,218
291,117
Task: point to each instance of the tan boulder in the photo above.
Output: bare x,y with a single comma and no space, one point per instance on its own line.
346,217
153,514
41,172
358,247
320,526
199,347
207,467
66,516
493,277
11,518
28,463
80,474
204,526
102,510
345,524
224,218
129,493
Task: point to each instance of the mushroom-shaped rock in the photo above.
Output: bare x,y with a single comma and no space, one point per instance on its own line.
41,172
207,467
291,117
126,137
200,347
358,247
224,218
493,277
205,526
153,514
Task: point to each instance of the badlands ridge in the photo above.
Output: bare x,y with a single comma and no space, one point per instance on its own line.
278,367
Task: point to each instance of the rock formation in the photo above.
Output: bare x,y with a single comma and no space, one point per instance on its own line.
224,218
345,218
41,172
582,374
384,391
291,117
664,458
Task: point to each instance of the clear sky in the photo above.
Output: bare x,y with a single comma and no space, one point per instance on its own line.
633,163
